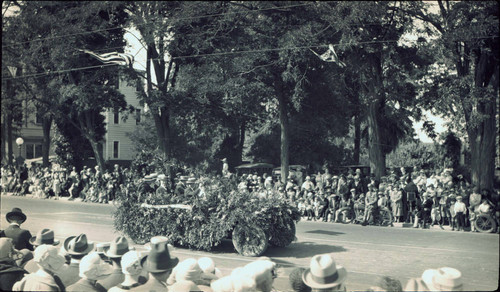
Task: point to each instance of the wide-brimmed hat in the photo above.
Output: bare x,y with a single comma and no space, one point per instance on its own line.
44,236
117,248
443,279
324,273
78,245
188,270
159,259
16,212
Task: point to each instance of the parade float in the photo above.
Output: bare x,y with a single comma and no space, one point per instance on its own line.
203,220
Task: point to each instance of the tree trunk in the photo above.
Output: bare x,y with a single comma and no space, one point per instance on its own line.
97,154
357,137
46,125
241,143
282,104
482,135
10,147
377,157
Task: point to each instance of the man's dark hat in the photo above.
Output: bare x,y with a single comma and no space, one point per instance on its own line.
78,245
159,259
15,212
44,236
117,248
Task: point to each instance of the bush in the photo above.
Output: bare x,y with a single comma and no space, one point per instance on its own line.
210,220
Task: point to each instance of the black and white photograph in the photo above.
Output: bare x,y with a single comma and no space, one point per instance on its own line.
237,146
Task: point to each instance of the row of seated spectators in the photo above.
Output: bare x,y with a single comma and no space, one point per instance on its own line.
36,263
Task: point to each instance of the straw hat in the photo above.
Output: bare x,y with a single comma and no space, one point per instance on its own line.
324,273
443,279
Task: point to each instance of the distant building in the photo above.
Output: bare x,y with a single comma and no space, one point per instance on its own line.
116,147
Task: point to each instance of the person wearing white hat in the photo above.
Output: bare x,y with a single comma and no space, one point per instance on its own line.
460,209
207,265
324,274
92,268
132,269
442,279
49,263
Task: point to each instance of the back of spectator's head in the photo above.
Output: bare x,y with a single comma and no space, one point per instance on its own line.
48,258
93,268
131,263
7,251
296,281
388,284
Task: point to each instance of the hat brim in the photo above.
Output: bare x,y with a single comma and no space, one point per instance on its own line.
172,263
90,247
33,242
15,213
110,255
309,281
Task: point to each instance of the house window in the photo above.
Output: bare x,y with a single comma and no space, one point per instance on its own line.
33,151
116,148
116,116
137,116
38,118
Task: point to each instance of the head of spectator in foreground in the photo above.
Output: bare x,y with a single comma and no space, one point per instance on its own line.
78,246
44,236
93,268
388,284
48,259
16,216
442,279
131,263
158,263
8,254
324,274
207,265
117,248
296,281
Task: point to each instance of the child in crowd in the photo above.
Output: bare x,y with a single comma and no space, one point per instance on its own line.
309,208
302,207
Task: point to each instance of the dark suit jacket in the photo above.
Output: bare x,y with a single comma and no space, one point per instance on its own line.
20,237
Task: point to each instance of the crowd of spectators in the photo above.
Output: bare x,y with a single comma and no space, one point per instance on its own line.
421,197
37,263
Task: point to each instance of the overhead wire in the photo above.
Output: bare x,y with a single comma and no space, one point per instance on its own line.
147,23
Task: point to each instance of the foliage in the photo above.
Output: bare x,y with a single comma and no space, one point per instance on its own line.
450,151
413,153
211,219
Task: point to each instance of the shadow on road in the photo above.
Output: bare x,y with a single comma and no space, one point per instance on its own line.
302,250
325,232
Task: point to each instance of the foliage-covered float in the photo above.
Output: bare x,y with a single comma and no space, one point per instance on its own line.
253,222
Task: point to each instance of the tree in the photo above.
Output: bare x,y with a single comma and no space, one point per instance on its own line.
50,34
370,33
466,76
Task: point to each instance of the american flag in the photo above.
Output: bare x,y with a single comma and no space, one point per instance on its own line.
113,58
330,56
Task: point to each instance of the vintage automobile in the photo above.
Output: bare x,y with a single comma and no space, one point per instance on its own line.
254,168
201,222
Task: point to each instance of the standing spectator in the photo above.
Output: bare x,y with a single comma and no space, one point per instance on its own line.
324,274
10,273
159,264
426,209
436,210
396,202
460,210
371,207
20,237
117,248
225,167
453,222
44,236
56,185
76,247
49,263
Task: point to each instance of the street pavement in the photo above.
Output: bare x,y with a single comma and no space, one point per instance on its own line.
367,252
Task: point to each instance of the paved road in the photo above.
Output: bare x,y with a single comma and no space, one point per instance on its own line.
367,252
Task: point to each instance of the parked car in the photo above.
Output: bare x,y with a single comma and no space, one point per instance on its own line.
254,168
